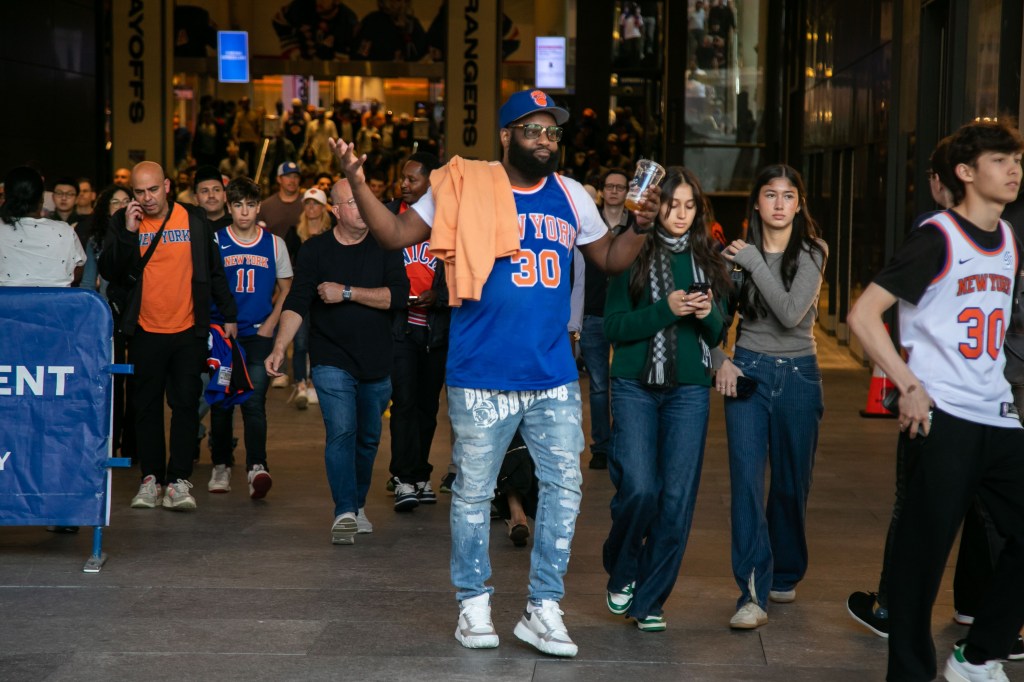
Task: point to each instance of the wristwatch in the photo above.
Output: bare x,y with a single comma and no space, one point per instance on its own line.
346,295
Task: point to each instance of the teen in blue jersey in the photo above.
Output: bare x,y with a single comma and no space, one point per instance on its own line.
256,264
510,363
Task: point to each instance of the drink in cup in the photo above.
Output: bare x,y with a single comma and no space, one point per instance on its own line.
648,174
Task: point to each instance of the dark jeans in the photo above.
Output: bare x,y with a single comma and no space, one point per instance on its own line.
655,467
957,462
254,410
416,381
300,352
171,364
595,350
778,424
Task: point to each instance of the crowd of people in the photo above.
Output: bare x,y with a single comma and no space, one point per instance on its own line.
464,282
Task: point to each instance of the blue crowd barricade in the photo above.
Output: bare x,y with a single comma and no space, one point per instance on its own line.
56,396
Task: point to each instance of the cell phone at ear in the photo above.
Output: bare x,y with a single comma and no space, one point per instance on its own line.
699,288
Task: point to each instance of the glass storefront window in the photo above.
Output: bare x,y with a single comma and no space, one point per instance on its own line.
725,91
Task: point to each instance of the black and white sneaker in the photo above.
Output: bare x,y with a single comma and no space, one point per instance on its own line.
861,606
425,494
405,497
1016,651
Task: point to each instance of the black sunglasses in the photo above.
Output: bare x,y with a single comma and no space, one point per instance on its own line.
531,131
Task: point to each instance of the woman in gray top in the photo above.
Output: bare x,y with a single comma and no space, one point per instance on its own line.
774,415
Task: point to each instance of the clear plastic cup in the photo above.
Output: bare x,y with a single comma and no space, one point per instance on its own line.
648,173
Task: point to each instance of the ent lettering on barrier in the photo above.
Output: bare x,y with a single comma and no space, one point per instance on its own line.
34,379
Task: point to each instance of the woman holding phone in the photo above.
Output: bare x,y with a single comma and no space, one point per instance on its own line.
662,317
776,367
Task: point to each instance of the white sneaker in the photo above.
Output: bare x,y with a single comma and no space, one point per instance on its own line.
363,525
959,670
280,382
178,497
259,482
962,618
148,495
619,602
748,617
475,629
220,479
542,628
311,396
344,530
782,596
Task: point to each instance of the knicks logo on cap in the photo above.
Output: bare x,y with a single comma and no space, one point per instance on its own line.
539,98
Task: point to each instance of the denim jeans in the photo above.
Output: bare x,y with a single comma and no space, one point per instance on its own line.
352,412
655,466
300,352
595,350
484,423
778,424
254,410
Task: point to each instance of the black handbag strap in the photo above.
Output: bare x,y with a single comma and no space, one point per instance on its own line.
136,274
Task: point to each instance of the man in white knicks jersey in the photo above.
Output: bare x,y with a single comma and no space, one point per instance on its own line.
953,278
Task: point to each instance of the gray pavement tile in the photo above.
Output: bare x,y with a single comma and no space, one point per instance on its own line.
29,667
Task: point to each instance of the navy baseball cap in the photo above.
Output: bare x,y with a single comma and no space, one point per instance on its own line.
527,102
287,168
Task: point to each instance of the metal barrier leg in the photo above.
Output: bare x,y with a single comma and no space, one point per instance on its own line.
98,558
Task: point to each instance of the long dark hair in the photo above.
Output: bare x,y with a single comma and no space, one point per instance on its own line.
101,214
23,187
702,244
804,237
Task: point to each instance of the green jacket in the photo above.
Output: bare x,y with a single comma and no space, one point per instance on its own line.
630,328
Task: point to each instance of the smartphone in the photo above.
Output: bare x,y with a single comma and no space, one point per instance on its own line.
699,288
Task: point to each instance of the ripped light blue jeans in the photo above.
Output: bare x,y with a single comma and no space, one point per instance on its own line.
484,423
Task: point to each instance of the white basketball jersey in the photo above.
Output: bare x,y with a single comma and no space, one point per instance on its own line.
954,335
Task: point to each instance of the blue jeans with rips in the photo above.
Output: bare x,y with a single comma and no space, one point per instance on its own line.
484,422
655,466
595,350
352,412
776,425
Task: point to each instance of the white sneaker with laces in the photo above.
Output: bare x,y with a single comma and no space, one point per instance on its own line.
782,596
475,629
619,602
177,496
363,525
220,479
958,669
748,617
259,482
148,495
311,396
542,628
344,529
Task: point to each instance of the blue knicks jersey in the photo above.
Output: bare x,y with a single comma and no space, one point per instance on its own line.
251,270
515,337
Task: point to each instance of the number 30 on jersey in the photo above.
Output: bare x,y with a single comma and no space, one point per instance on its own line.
543,267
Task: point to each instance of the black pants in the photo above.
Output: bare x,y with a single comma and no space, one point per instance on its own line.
416,381
171,364
124,412
254,410
957,462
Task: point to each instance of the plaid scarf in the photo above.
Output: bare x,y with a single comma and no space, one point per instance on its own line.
660,367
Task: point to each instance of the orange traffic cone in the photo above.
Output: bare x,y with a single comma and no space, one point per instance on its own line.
879,388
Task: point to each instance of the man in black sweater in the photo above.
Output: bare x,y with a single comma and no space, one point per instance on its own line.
347,285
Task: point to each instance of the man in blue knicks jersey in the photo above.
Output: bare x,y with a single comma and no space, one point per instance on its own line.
962,438
256,264
510,364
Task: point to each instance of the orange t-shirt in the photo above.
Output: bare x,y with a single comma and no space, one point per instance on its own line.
167,280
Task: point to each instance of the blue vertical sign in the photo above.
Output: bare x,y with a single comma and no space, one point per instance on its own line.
233,56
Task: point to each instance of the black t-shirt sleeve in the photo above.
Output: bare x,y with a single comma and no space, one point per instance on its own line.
915,265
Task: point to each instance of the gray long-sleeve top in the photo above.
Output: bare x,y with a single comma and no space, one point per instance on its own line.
787,330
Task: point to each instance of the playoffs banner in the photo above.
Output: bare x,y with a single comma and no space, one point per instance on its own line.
55,407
